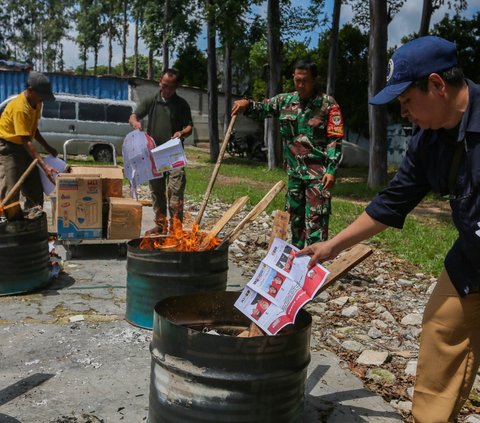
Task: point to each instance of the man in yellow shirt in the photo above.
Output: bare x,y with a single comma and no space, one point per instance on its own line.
18,129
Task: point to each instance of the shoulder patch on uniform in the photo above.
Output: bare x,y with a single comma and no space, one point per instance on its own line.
335,122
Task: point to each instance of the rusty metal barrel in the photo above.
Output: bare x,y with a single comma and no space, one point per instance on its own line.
200,377
153,275
24,255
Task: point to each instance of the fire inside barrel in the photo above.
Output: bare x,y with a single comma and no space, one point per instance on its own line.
180,239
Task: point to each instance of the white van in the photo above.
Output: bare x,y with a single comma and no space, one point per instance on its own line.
97,121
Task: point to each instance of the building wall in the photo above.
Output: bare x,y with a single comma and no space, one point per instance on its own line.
139,89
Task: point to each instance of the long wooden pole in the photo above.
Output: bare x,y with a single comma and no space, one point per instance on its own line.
215,170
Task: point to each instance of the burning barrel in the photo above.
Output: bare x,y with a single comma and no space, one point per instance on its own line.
200,377
155,274
24,255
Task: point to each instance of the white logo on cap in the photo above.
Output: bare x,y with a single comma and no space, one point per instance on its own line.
390,70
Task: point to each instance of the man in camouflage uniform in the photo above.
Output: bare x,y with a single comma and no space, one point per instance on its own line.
311,128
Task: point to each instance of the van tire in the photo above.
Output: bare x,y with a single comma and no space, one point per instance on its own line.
102,153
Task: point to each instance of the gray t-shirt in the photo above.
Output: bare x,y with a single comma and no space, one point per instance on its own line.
165,116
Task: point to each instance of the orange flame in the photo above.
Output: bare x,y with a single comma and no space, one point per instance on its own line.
179,239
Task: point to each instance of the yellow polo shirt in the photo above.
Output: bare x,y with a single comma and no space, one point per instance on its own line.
19,119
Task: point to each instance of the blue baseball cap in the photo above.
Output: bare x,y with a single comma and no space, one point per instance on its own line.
414,60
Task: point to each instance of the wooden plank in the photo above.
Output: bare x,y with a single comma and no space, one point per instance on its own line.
280,226
228,215
343,264
261,206
13,211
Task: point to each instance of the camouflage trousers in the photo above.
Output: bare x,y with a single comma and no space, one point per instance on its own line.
309,207
168,192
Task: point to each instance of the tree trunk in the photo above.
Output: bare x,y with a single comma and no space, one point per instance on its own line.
274,80
228,84
95,62
377,66
166,29
124,37
427,11
110,51
212,83
135,49
84,70
332,55
150,64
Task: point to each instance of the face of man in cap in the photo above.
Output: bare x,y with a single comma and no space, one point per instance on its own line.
39,89
426,109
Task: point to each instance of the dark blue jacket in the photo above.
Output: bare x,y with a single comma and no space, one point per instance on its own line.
426,167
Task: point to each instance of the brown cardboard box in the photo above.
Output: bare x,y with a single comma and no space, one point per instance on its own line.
112,178
79,206
124,218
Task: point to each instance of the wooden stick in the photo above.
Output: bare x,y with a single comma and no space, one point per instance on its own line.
19,182
215,170
261,206
229,214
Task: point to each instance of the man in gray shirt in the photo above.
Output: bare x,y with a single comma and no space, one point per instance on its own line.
169,116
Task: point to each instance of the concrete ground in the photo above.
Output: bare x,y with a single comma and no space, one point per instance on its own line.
68,356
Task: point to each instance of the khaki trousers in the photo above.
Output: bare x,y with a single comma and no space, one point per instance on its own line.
168,192
449,354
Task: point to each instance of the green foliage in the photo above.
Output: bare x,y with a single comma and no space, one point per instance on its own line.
190,57
466,34
351,89
32,30
117,69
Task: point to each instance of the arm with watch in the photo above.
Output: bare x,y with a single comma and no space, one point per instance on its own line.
184,133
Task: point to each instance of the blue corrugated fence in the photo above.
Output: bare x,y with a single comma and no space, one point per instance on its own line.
13,82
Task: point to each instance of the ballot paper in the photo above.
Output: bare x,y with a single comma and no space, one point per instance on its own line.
280,287
59,165
169,155
138,162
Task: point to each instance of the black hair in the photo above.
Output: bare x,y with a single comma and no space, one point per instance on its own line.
307,65
173,72
453,77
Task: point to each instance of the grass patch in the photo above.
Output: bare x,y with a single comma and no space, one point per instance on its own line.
423,241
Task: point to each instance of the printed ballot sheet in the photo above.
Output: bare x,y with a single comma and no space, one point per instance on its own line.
169,155
138,162
280,287
59,165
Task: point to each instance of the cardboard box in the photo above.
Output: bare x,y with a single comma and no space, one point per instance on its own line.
79,206
112,178
52,222
124,218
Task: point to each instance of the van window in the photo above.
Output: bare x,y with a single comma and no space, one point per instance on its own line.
91,111
116,113
67,110
59,110
50,109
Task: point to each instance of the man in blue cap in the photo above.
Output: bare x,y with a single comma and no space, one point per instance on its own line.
443,156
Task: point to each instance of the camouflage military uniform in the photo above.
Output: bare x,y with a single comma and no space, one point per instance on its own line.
312,132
